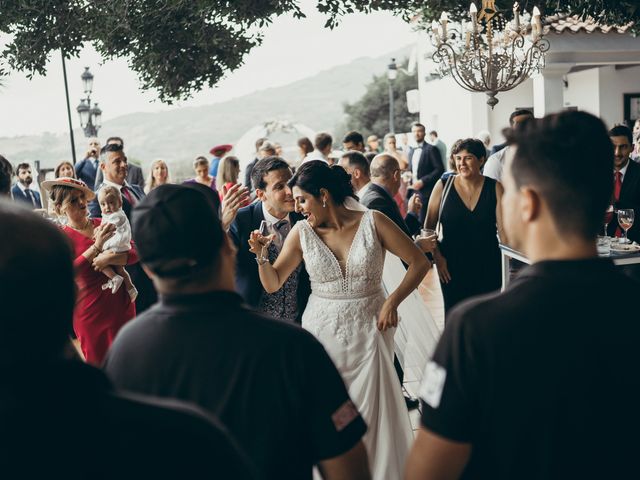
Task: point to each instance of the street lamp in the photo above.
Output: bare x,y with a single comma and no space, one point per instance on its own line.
392,73
90,116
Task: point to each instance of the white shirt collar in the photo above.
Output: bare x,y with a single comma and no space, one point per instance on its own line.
113,184
315,155
361,192
270,218
22,187
623,170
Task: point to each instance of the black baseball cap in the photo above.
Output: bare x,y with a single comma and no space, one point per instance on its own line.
177,230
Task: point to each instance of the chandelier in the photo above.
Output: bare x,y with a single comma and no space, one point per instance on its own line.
488,54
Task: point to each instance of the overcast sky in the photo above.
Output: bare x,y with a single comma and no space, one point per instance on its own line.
292,49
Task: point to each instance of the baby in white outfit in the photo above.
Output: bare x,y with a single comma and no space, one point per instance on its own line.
111,207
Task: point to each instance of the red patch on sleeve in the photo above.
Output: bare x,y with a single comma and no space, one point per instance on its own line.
346,414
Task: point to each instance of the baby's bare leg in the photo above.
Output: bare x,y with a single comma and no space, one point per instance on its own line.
109,272
125,275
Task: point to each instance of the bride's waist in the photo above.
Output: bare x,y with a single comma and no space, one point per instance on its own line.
348,294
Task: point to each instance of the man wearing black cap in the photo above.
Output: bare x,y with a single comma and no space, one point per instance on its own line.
61,418
270,382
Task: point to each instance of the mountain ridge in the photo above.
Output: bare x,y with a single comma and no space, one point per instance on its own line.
180,134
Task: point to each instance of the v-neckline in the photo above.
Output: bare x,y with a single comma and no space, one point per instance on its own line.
477,201
343,275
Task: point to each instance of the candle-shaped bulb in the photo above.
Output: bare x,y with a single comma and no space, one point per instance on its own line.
434,30
473,11
516,17
444,18
536,12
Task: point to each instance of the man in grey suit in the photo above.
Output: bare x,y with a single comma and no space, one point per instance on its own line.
134,173
425,162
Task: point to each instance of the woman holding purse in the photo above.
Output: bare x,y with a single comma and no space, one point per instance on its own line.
465,209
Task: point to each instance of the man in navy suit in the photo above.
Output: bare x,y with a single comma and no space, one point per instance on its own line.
21,191
425,162
626,180
276,206
89,166
113,164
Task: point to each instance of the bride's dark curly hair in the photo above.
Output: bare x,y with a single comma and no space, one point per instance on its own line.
316,174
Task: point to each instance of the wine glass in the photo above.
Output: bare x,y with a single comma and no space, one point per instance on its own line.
608,216
264,231
625,219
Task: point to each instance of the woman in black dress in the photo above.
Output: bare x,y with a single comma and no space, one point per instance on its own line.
467,257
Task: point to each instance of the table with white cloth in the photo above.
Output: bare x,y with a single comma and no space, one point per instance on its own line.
508,254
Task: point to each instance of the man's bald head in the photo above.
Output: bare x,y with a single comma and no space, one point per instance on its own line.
38,291
384,166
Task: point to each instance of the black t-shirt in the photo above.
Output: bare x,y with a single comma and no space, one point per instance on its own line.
270,382
63,420
543,380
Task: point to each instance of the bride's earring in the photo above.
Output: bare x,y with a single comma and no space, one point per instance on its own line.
324,203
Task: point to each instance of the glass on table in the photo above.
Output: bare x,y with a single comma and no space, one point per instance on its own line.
625,220
604,245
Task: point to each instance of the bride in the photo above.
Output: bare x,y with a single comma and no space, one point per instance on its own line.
343,250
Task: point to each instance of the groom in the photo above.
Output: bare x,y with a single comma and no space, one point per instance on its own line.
276,206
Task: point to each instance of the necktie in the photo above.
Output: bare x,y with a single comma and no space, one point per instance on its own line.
617,187
283,227
30,196
127,194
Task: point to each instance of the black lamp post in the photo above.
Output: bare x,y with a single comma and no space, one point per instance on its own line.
90,116
392,73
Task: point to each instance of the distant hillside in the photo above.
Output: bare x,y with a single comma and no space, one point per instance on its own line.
178,135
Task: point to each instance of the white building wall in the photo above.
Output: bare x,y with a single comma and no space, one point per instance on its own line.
519,97
613,85
582,91
456,113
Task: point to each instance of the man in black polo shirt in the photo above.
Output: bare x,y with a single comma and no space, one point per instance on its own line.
61,418
541,381
270,382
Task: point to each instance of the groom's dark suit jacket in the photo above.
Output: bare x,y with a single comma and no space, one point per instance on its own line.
248,283
377,198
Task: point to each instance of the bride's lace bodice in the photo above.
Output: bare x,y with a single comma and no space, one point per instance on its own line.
363,271
349,301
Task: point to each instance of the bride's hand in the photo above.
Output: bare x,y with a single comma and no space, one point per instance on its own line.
257,242
388,317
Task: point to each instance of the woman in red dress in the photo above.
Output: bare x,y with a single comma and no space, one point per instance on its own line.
98,314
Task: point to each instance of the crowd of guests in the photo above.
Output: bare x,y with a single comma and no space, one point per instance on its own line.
172,290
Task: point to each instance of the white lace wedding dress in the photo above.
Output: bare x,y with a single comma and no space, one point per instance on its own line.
342,313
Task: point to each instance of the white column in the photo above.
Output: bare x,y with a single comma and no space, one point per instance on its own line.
548,94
